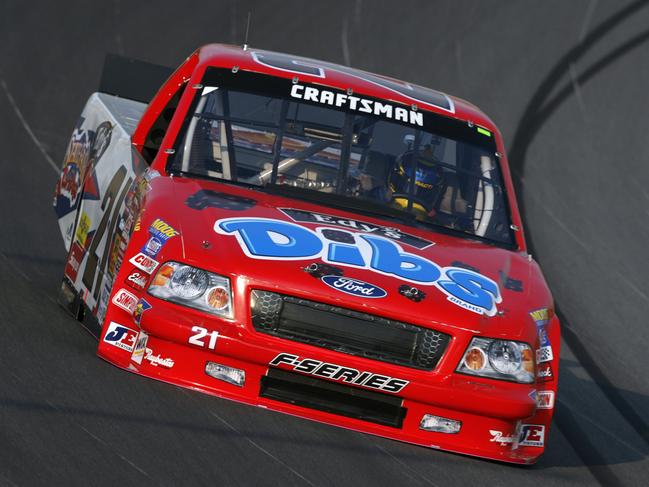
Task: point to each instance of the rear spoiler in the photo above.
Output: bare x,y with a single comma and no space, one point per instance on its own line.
131,78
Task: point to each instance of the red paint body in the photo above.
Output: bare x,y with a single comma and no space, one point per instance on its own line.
481,404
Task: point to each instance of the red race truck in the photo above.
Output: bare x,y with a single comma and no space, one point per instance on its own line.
313,239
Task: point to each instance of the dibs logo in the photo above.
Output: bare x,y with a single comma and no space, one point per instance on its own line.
270,239
354,286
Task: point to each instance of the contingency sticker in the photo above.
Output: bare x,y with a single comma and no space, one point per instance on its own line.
74,261
532,435
159,231
144,262
136,279
140,308
157,360
545,399
83,227
125,300
501,438
140,346
120,336
541,317
544,373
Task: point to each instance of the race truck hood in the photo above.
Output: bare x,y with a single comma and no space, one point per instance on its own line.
351,260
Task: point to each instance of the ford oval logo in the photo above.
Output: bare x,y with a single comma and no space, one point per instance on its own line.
354,286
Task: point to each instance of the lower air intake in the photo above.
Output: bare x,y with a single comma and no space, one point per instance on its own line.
292,388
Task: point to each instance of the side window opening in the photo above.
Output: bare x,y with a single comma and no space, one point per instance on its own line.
159,128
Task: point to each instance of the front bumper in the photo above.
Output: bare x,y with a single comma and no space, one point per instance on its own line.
493,414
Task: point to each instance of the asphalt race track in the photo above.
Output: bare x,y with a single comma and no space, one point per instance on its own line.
567,84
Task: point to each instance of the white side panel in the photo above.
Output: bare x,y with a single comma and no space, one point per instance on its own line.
93,194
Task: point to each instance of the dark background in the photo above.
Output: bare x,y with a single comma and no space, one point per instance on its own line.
567,84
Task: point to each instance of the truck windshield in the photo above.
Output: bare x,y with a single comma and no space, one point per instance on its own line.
339,155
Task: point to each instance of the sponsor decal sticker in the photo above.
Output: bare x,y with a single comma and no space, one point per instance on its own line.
83,228
69,183
270,239
340,373
545,400
156,360
144,263
532,435
544,354
302,216
541,317
354,286
137,279
125,300
140,346
544,373
500,438
543,336
322,69
74,261
141,306
120,336
160,231
152,247
117,254
358,104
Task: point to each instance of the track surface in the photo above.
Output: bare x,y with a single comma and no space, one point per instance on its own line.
565,81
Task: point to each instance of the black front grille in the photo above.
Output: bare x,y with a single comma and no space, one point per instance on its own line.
293,388
347,331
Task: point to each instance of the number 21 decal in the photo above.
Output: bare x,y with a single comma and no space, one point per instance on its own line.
198,338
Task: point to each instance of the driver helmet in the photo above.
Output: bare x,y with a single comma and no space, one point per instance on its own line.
429,181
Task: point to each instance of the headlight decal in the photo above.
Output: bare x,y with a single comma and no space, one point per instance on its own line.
189,283
193,287
499,359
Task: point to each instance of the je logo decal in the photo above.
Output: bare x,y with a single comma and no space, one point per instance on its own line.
270,239
120,336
